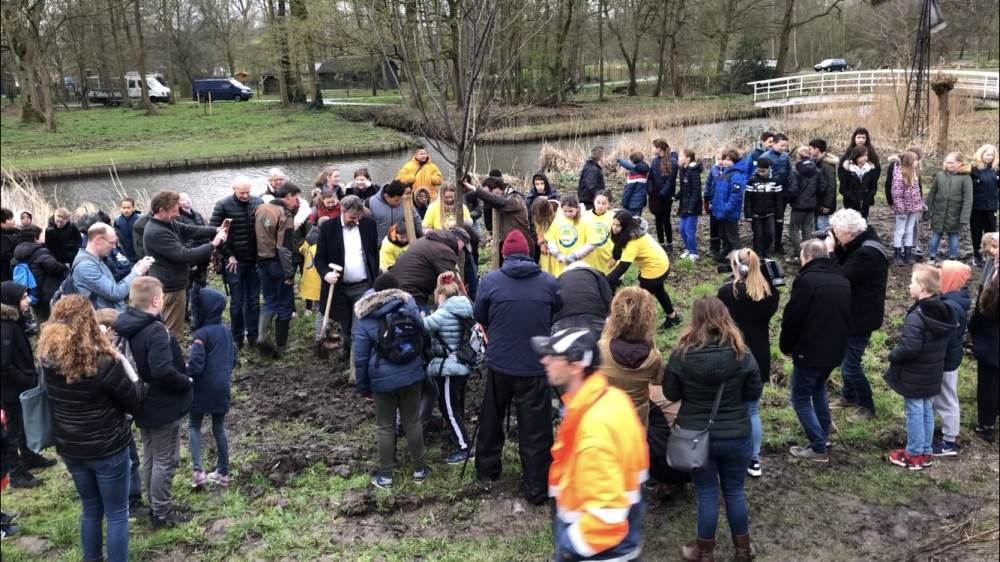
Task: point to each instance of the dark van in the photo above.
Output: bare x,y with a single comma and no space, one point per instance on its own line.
220,89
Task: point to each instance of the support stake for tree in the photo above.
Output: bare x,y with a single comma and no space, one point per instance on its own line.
942,85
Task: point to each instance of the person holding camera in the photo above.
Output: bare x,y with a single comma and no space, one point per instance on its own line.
856,249
752,301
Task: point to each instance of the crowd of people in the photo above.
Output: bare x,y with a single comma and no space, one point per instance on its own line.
395,268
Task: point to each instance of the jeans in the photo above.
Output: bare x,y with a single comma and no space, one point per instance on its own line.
161,453
756,428
763,235
856,385
811,405
728,460
823,222
103,487
903,236
919,425
279,297
244,301
689,229
407,401
221,441
801,228
952,244
134,480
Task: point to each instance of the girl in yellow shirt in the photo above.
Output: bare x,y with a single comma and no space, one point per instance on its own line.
634,246
602,220
571,236
449,197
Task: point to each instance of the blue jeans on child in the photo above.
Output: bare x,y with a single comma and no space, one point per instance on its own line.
919,425
756,428
221,441
728,460
103,487
689,228
811,405
952,244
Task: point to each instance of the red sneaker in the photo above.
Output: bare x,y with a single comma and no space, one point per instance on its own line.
900,458
926,461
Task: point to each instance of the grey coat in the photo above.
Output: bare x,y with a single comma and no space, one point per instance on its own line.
447,324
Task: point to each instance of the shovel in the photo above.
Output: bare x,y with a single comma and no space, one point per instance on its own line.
328,340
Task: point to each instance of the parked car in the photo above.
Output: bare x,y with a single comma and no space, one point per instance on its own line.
220,89
831,65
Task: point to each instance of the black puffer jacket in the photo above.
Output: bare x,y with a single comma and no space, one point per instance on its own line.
806,187
865,264
9,239
816,322
694,378
193,218
65,242
17,362
985,189
242,241
591,182
48,272
167,243
160,363
985,331
89,414
689,201
858,193
916,365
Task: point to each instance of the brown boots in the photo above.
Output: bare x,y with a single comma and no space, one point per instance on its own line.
705,550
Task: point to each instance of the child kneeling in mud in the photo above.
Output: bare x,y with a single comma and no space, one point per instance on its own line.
447,327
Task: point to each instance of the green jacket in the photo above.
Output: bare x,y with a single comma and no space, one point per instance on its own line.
949,202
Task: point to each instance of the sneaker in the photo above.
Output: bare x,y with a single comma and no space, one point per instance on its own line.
863,414
932,262
180,508
843,404
8,531
792,260
138,510
918,251
693,257
978,261
901,459
808,453
685,254
172,518
985,433
669,248
672,322
944,449
381,482
754,468
459,457
38,461
219,479
420,475
926,461
25,480
198,479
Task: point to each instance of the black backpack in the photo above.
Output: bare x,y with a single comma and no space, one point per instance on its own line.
400,337
68,287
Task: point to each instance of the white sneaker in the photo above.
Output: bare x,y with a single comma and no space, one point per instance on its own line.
693,257
685,254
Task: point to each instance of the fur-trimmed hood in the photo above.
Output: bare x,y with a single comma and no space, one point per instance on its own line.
374,302
302,215
9,313
828,158
639,229
965,170
413,196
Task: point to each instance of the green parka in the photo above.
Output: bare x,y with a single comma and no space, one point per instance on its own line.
949,202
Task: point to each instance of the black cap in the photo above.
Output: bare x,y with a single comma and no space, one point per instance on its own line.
576,344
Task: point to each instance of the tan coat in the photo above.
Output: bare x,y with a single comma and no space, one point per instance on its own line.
635,382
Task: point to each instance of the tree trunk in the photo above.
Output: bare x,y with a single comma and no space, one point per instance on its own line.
783,39
167,31
661,43
122,82
675,75
47,102
723,44
944,119
150,109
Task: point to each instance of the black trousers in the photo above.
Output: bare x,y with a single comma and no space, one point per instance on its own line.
779,227
451,402
763,235
987,394
663,226
729,231
17,442
531,396
981,222
655,287
714,238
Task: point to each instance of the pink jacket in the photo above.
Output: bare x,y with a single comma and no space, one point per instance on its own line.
905,198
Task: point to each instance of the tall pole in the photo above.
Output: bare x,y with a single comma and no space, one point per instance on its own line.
916,114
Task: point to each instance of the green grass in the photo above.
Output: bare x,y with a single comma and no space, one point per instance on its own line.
100,135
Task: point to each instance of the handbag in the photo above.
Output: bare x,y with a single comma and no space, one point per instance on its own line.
36,410
687,450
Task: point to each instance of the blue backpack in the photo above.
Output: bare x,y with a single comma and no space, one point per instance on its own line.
24,276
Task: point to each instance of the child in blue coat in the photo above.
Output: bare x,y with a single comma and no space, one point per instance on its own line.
634,196
448,326
210,365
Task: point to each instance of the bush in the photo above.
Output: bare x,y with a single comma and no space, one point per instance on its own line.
749,65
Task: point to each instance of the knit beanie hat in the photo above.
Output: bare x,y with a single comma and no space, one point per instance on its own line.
385,282
514,244
954,274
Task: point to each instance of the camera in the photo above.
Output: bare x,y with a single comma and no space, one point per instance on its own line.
771,270
821,234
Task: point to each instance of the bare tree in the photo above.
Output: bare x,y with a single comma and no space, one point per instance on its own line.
790,23
629,20
137,15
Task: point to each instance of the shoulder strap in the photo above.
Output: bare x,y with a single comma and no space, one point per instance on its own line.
718,400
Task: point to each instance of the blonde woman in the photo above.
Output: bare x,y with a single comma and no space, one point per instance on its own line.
949,204
985,196
629,357
90,394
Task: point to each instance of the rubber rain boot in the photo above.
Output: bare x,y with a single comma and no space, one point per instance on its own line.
280,337
265,343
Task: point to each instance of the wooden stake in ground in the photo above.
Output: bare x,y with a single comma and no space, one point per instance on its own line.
210,104
495,246
411,231
942,85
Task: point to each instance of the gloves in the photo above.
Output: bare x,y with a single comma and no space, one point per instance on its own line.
708,207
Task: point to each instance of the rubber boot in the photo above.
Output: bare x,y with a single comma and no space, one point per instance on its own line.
897,256
908,256
744,549
265,344
280,336
703,552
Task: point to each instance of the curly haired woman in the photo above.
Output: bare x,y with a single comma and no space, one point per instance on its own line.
630,359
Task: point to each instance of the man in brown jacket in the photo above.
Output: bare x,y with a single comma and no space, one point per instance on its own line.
512,213
417,268
274,224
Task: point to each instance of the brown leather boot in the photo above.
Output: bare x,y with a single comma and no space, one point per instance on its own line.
703,552
744,550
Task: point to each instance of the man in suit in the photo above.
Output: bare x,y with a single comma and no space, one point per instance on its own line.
350,242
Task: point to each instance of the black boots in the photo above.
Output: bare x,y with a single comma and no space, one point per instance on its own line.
265,342
908,256
897,256
280,336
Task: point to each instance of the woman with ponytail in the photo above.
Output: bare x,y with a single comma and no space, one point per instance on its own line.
634,245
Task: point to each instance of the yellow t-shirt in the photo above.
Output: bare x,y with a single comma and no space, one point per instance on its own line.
309,287
389,253
599,258
569,237
432,219
648,256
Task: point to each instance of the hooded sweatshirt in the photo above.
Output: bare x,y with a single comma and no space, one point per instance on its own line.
17,362
213,354
806,187
64,242
954,275
48,272
916,365
632,367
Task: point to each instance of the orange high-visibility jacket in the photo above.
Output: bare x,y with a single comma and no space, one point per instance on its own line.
599,462
427,175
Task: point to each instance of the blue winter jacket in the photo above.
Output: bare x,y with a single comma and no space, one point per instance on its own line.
446,324
634,196
387,376
515,304
95,281
667,185
960,301
781,167
727,193
125,235
750,161
713,174
211,362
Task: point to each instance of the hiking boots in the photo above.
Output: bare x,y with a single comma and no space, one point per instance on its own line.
862,414
704,551
809,454
843,404
172,518
745,550
35,460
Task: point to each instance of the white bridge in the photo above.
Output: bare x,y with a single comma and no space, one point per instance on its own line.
862,86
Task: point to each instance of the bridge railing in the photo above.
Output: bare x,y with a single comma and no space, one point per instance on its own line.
866,82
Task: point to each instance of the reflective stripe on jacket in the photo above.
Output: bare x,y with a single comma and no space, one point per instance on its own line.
599,462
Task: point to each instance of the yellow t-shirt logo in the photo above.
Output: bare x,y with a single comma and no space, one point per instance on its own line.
567,235
603,232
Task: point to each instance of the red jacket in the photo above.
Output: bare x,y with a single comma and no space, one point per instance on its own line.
321,211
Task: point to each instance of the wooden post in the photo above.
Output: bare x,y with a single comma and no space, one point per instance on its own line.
443,213
411,232
210,104
495,246
942,85
460,266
